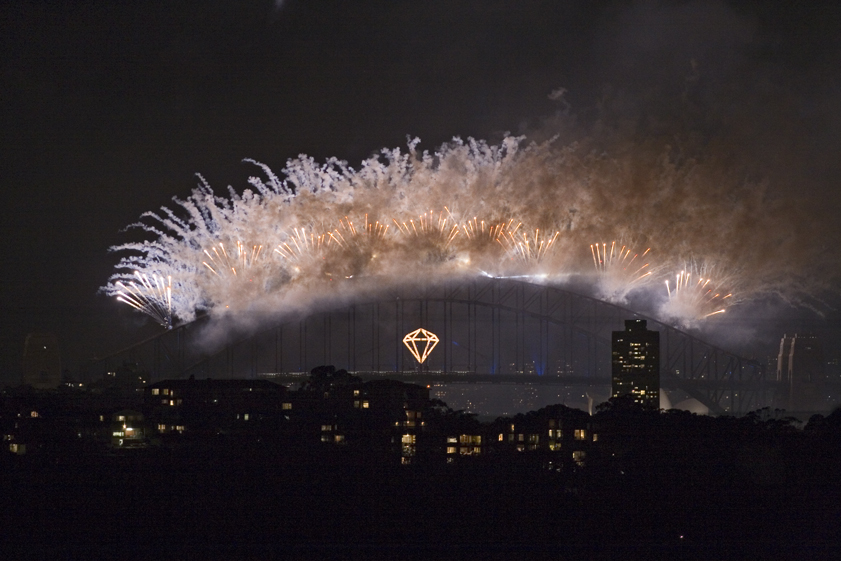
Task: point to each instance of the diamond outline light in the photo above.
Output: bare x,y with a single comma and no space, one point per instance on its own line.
421,335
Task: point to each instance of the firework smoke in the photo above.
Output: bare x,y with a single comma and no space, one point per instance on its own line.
512,209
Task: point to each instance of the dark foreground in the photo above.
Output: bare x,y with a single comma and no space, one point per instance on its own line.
247,504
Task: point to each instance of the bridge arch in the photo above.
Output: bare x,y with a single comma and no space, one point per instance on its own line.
490,329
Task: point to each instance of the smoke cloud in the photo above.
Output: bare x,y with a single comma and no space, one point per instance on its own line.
517,208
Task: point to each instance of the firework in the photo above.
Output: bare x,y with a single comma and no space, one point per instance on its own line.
620,270
427,225
692,297
482,230
301,245
347,236
429,236
152,296
350,250
243,258
528,247
272,245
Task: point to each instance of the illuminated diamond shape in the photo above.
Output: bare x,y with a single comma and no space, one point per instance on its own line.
420,343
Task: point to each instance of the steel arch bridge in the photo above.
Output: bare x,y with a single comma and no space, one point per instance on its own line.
490,330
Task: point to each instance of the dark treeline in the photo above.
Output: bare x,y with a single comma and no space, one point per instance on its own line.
693,487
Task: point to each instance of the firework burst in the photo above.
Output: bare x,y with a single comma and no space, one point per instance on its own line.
430,236
242,260
529,248
694,297
620,270
152,296
351,250
301,246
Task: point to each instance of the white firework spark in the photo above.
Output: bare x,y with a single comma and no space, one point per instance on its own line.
152,296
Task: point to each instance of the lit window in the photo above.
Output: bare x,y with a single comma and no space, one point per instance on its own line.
520,437
408,439
325,438
364,405
500,437
245,417
287,406
325,428
172,402
155,391
595,437
118,433
339,438
356,404
161,428
410,414
355,393
578,456
580,434
166,392
451,449
534,438
33,414
551,433
101,418
452,439
180,428
121,418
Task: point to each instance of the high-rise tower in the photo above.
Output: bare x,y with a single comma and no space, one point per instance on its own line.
636,363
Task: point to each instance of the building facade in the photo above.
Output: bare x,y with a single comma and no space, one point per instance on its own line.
636,363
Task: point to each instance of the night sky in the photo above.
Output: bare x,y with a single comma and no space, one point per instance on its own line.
108,110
